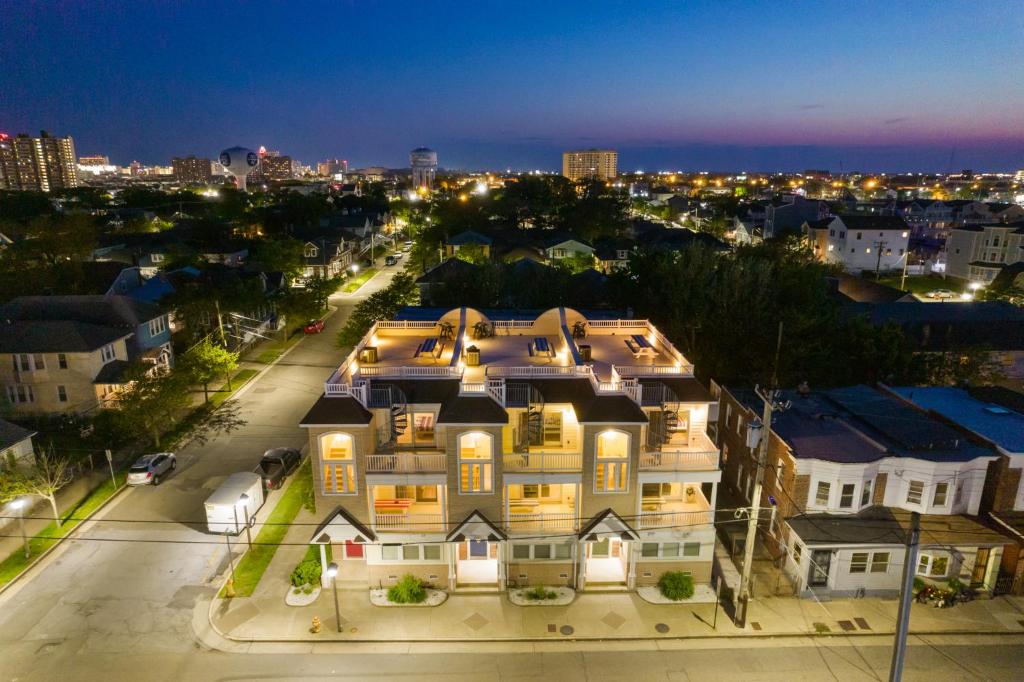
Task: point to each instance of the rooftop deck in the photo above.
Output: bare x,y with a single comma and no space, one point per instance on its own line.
483,353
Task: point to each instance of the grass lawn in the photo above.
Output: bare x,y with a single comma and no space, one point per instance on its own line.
359,280
276,350
48,537
922,284
254,563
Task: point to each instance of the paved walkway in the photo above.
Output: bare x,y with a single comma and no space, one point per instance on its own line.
594,615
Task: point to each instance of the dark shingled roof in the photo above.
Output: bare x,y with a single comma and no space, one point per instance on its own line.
449,268
872,221
472,410
112,372
53,336
687,389
589,407
884,525
112,311
336,412
12,434
470,237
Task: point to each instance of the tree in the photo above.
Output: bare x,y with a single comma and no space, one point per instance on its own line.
281,255
382,305
206,361
51,473
152,400
320,290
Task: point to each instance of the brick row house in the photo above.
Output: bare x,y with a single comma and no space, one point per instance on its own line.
845,469
482,452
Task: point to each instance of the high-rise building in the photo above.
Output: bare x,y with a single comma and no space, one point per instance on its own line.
424,167
191,170
272,166
332,167
38,164
590,163
96,160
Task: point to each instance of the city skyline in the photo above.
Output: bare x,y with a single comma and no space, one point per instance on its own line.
915,92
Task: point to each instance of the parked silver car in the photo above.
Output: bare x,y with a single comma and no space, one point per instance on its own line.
149,469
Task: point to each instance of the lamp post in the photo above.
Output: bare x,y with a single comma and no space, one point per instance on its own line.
332,573
244,501
19,506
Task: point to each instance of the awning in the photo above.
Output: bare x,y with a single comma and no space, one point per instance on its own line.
476,526
341,526
607,524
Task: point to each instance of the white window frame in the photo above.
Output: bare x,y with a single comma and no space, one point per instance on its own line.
859,562
866,492
62,393
20,394
619,467
873,567
817,493
329,468
842,494
927,560
919,494
157,326
107,353
478,469
944,485
532,551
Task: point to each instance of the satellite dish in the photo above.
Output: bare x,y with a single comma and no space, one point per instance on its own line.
239,161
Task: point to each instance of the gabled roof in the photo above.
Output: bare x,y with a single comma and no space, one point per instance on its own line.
449,268
52,336
470,237
885,526
607,524
113,372
462,409
557,238
476,526
872,221
12,434
341,526
112,311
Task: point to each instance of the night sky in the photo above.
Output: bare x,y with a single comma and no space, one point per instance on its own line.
766,85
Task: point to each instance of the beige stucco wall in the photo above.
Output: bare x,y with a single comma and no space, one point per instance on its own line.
700,570
540,573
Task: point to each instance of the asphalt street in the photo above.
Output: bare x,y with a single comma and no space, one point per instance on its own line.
116,602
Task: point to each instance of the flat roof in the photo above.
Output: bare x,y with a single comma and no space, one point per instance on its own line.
885,526
995,423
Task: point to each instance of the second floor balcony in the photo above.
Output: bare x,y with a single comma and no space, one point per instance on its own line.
694,452
542,462
406,463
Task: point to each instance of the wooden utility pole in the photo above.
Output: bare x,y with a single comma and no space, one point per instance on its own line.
879,245
899,647
220,324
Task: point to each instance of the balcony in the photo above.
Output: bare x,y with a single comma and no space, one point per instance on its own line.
681,520
679,506
412,522
406,463
696,452
541,522
542,462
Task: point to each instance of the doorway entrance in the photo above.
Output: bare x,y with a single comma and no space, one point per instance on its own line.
980,567
821,562
477,563
607,562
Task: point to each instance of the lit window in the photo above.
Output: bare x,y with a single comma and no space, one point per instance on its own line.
612,462
476,470
935,566
915,491
613,445
338,460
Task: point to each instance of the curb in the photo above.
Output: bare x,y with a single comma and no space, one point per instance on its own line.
38,560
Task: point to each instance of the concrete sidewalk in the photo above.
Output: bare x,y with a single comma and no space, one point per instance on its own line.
469,617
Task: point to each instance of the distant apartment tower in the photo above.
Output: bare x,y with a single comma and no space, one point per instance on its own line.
332,167
37,164
191,170
590,163
424,166
96,160
273,166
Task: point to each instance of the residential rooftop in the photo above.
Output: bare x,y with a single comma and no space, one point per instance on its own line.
1002,426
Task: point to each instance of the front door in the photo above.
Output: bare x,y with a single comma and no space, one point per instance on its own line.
478,549
980,567
821,561
600,549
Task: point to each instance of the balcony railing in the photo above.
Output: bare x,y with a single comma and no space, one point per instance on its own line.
681,520
542,462
679,461
406,463
519,523
425,523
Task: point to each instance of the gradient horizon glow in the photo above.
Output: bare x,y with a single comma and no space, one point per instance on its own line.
672,85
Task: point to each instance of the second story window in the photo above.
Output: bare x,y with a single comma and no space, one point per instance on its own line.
915,491
939,498
157,326
107,353
476,463
62,361
865,493
337,455
821,494
846,496
612,462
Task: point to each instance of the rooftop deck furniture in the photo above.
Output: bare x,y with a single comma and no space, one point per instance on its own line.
641,341
639,351
430,348
542,347
391,505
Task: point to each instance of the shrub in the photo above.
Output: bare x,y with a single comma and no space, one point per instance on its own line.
918,584
676,585
307,572
408,590
540,593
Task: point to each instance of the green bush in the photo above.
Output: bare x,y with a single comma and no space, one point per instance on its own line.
918,584
676,585
540,593
408,590
306,573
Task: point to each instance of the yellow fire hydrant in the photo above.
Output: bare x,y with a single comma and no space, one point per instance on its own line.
315,629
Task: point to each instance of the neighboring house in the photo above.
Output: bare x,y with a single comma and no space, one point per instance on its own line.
613,254
326,258
15,445
845,468
988,413
860,290
231,255
477,451
977,253
787,214
564,245
434,279
468,238
859,242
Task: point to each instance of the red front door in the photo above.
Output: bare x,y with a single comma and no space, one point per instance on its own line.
353,550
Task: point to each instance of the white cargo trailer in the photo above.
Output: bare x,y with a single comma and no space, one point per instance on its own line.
225,509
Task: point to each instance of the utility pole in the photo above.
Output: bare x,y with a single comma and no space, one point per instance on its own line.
906,260
899,647
758,435
220,324
879,245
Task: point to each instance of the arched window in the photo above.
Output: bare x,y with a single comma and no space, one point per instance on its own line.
611,462
476,462
337,455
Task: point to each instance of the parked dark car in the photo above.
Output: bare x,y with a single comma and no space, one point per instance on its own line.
276,465
390,260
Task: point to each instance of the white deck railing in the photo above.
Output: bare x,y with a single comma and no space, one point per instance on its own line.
684,369
681,520
518,523
410,522
540,371
406,324
542,461
472,388
679,461
406,463
414,371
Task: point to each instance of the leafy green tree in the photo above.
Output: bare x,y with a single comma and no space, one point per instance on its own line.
207,361
472,253
382,305
320,290
280,255
576,262
152,400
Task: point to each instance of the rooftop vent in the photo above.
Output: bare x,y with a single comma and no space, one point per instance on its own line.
995,409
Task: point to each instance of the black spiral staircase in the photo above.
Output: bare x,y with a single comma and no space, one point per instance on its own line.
665,419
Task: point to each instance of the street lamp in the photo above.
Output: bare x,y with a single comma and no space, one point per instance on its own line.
332,573
19,506
244,501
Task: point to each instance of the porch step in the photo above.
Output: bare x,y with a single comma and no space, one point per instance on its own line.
476,588
605,587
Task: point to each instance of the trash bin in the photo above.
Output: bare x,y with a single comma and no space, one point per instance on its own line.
472,356
585,352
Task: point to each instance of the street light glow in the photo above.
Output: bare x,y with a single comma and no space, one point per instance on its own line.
17,504
332,570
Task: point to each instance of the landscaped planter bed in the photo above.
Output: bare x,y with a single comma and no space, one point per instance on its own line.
434,598
564,596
